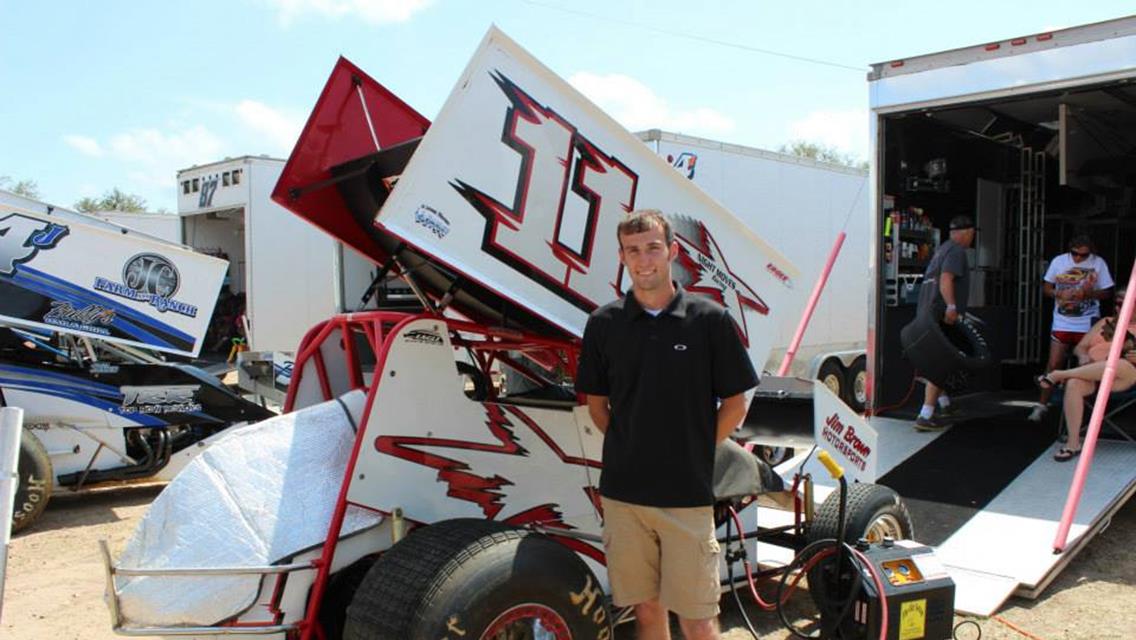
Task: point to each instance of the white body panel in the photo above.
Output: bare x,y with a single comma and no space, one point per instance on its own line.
799,206
533,216
84,276
286,268
165,226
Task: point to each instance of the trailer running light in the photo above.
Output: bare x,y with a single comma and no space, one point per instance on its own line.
1018,41
993,47
897,63
1045,36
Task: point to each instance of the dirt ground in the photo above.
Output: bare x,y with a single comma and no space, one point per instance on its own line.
55,582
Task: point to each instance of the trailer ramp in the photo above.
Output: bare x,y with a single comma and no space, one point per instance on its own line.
988,495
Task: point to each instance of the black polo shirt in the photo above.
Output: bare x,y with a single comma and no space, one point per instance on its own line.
663,376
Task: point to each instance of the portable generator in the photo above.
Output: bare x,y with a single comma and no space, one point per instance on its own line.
920,596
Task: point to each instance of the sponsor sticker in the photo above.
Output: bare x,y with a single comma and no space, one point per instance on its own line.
152,279
423,336
158,400
92,318
432,220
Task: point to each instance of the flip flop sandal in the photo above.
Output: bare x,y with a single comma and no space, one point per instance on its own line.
1063,454
1044,381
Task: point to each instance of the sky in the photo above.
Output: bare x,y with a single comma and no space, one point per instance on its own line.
124,94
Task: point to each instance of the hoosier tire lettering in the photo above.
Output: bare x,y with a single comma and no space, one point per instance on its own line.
36,480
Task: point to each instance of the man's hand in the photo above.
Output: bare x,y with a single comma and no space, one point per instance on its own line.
600,411
1130,356
951,316
730,415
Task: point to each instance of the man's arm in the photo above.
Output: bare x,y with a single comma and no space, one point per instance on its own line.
1102,294
1050,290
730,415
600,411
947,289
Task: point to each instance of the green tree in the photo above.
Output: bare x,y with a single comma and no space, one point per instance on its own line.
822,153
25,188
113,200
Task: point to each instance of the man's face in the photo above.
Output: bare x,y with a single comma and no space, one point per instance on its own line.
1080,254
647,258
966,237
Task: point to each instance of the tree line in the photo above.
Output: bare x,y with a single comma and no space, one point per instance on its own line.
113,199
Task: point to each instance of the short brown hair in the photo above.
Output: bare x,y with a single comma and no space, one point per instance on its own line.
642,220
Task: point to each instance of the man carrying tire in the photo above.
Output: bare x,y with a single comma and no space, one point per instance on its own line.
944,294
654,365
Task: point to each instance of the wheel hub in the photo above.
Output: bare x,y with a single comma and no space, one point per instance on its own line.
528,622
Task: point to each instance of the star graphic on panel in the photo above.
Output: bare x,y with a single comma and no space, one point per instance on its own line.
711,276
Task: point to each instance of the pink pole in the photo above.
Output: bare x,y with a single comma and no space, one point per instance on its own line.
1099,406
811,306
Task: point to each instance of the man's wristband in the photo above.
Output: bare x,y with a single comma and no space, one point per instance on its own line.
951,307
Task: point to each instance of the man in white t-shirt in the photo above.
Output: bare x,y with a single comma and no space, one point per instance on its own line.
1076,281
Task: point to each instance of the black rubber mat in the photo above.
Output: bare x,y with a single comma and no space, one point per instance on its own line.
950,480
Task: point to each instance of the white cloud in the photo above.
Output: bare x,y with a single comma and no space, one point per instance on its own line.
637,107
176,149
846,130
278,127
84,144
372,11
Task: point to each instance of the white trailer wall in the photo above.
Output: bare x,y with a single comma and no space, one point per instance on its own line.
798,206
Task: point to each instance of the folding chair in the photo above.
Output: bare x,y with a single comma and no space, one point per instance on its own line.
1118,403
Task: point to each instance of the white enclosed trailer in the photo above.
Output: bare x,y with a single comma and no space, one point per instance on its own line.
1032,136
291,274
799,205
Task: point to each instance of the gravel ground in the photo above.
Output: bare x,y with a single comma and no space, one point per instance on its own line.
55,582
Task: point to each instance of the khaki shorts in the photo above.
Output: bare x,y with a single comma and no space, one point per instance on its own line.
665,554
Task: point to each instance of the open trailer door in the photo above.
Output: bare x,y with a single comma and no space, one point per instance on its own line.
65,272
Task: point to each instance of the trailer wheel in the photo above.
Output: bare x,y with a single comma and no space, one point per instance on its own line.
831,374
36,479
857,383
873,511
478,579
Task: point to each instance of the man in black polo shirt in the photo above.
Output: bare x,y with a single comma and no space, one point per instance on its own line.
655,365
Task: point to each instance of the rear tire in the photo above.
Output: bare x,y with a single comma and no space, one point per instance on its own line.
36,480
477,579
831,375
857,383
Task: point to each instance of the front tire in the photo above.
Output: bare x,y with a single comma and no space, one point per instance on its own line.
478,579
873,511
36,480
